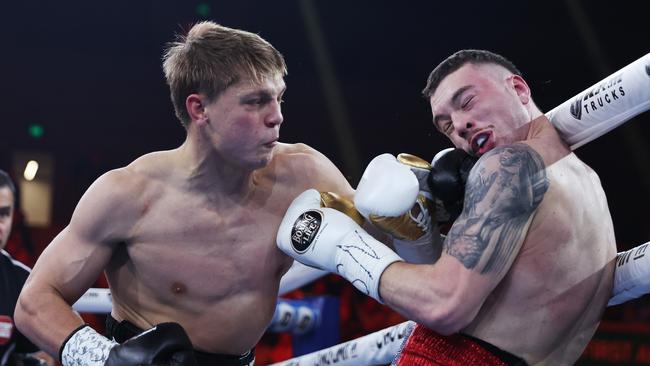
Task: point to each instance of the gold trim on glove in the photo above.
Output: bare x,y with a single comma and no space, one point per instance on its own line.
342,204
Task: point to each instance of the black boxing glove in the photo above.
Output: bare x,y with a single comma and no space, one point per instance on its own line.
449,171
166,344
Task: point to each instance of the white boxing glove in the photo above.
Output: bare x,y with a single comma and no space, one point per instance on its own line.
386,188
394,195
632,275
328,239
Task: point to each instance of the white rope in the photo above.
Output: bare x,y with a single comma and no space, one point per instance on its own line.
378,348
95,300
605,105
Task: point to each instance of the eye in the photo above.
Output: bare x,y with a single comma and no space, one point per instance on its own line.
466,102
257,101
448,128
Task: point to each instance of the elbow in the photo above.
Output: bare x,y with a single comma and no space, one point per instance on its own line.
21,315
25,312
447,318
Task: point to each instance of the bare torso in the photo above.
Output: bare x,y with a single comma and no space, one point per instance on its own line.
548,306
214,271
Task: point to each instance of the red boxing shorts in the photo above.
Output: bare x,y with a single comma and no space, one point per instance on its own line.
427,348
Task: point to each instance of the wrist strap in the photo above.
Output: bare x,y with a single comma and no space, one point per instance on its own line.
361,259
424,250
68,338
85,347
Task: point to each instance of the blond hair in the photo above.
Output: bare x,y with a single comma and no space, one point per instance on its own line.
211,57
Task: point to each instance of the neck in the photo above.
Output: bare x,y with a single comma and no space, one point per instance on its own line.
524,131
207,171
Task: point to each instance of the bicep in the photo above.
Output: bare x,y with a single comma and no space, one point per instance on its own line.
503,191
70,264
78,254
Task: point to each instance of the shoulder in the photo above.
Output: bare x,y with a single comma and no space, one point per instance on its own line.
504,189
117,186
297,153
141,177
117,196
508,174
514,157
299,159
305,167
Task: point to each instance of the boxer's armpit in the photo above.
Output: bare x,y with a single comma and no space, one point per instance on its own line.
502,193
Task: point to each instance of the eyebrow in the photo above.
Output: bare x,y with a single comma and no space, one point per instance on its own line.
267,93
454,101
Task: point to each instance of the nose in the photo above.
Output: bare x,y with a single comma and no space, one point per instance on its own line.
462,125
274,117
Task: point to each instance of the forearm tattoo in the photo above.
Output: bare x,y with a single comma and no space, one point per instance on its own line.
499,201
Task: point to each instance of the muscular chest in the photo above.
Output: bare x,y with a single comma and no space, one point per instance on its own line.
185,246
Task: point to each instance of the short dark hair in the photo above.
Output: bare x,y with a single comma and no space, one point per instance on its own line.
5,181
460,58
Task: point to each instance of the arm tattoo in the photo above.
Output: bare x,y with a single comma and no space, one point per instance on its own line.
499,201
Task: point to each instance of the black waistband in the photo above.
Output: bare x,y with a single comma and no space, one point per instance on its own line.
506,357
125,330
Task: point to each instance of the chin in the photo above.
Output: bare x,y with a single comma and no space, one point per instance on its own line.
263,163
260,163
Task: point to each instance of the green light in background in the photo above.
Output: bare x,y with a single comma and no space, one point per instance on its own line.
36,131
203,9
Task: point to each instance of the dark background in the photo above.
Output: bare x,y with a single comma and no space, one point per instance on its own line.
90,73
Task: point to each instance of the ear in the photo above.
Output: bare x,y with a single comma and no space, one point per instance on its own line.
195,105
521,88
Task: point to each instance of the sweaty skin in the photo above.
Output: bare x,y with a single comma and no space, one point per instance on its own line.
528,265
555,291
186,235
216,272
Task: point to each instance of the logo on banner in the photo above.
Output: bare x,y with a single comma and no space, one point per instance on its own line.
340,354
576,108
6,329
601,95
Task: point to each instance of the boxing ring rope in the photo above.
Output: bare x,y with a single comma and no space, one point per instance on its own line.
378,348
586,116
605,105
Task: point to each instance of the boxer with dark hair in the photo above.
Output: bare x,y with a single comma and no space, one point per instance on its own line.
527,268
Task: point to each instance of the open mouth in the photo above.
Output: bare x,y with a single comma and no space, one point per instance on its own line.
479,142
